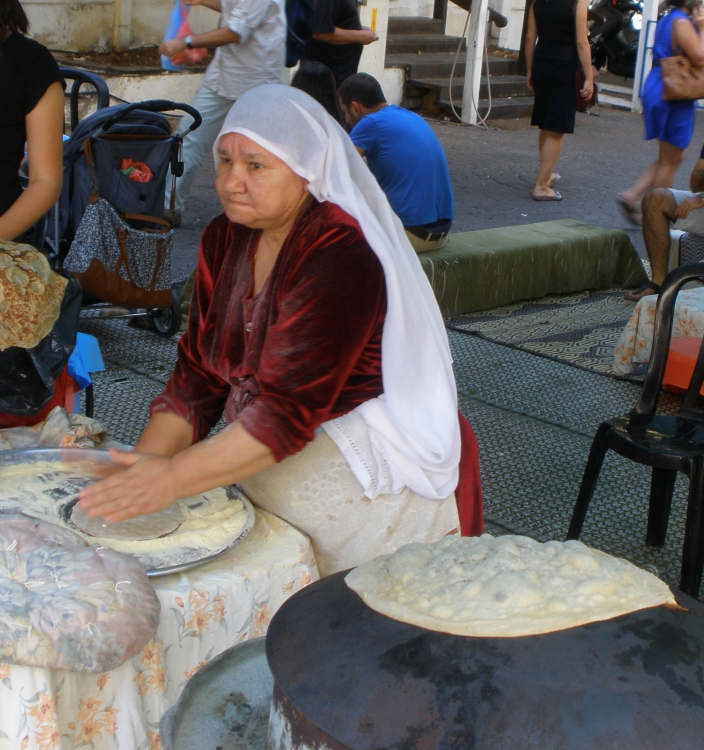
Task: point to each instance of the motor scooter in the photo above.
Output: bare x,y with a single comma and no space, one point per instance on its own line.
614,28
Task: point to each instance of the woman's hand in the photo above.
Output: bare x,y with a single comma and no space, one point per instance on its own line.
146,486
529,81
689,205
587,90
172,47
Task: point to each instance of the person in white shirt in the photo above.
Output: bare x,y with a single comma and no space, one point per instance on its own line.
251,46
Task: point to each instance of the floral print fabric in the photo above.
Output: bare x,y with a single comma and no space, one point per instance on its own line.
636,341
203,612
68,605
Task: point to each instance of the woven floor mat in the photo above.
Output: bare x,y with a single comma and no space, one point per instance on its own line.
580,329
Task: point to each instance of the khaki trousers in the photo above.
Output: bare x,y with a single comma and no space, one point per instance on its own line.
422,246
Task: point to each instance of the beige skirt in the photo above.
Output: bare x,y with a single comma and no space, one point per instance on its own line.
316,492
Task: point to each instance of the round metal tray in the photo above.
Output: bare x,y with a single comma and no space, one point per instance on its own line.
224,705
93,456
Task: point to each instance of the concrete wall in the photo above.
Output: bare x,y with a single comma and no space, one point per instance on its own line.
85,25
510,36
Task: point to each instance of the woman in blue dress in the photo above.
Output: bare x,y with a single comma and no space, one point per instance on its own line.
671,122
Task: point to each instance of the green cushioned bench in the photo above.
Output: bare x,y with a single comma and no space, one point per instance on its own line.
492,267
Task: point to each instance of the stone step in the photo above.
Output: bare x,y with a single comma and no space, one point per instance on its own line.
413,25
423,43
439,64
501,109
502,87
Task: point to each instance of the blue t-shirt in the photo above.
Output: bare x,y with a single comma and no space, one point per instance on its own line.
409,164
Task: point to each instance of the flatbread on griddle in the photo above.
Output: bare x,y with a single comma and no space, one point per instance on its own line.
504,587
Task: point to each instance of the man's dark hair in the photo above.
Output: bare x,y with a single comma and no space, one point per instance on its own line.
12,18
362,88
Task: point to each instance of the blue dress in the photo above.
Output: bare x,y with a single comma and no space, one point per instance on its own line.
672,122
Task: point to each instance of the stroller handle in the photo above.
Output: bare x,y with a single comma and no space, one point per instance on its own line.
156,105
80,77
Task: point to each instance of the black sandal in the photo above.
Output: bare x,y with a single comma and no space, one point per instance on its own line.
631,296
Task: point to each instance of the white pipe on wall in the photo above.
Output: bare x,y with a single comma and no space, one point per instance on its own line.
475,56
122,24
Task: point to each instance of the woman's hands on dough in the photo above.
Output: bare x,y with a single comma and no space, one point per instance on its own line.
147,484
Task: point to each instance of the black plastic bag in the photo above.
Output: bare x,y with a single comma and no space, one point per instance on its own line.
27,375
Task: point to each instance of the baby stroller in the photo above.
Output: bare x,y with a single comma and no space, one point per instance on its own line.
114,236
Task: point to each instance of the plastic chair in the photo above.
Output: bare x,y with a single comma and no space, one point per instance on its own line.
667,443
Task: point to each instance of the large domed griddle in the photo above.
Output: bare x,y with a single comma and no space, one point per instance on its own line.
348,677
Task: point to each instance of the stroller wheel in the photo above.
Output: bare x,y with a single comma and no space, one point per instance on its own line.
167,320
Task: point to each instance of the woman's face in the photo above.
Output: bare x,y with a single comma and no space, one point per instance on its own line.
256,188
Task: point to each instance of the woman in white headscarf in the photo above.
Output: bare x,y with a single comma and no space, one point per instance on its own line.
315,331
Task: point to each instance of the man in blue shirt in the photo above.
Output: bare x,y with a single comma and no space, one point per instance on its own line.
406,158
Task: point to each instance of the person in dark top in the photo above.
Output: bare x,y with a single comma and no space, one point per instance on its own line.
560,29
337,37
318,81
32,96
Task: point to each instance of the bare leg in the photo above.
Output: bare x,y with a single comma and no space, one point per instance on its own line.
670,158
659,206
634,193
660,173
550,145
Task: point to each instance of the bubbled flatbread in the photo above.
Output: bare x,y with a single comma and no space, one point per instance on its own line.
504,587
30,296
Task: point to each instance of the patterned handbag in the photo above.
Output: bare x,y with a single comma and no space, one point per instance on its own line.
121,259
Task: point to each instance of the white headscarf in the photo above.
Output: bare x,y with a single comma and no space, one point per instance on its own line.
409,436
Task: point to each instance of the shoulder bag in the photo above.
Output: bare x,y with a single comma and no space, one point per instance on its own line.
680,79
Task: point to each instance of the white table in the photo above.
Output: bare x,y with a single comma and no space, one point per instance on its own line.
636,340
203,612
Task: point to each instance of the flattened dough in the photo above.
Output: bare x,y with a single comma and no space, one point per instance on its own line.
138,529
504,587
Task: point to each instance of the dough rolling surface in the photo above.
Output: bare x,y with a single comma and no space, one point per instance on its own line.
211,521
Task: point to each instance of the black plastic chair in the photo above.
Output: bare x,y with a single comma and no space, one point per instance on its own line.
667,443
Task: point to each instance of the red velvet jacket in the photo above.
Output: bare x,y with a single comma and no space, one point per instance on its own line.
304,350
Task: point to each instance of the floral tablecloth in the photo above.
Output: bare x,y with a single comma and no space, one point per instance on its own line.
636,339
203,612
